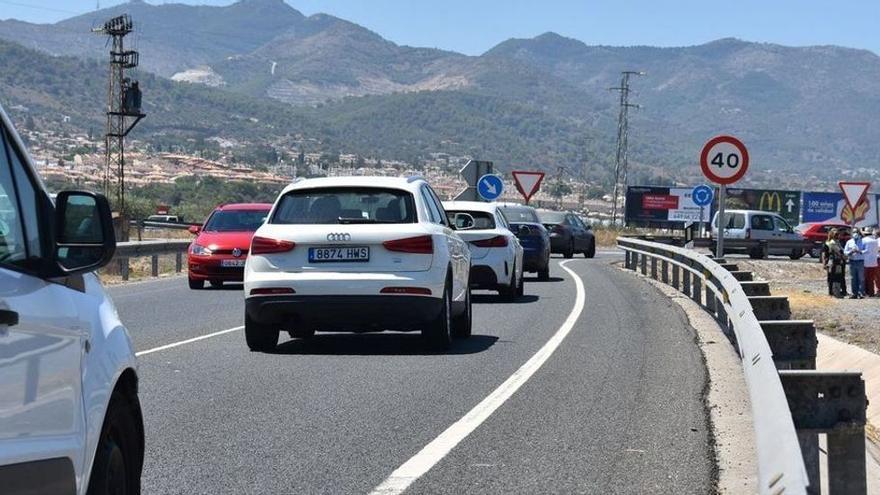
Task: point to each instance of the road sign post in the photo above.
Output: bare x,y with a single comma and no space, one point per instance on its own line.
724,160
702,196
527,183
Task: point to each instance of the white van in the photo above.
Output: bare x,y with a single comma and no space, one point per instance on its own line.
70,420
759,225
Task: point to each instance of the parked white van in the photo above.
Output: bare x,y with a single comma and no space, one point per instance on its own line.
70,420
759,225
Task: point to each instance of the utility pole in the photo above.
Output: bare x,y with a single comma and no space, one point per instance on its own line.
123,102
582,193
622,162
559,189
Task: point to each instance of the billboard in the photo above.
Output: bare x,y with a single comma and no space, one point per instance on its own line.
786,204
651,206
831,207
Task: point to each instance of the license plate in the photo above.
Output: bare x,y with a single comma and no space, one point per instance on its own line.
339,253
232,263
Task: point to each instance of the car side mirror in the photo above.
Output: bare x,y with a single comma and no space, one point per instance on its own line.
523,231
463,221
194,229
84,235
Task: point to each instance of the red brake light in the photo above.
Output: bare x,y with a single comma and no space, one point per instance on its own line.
422,244
497,241
264,245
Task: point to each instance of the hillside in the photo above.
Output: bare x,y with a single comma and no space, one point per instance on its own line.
802,110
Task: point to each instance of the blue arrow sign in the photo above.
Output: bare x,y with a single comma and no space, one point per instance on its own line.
703,195
490,187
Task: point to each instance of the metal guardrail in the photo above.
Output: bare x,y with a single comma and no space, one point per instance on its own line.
779,359
153,249
781,467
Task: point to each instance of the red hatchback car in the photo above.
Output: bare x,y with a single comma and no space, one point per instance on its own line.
221,246
818,233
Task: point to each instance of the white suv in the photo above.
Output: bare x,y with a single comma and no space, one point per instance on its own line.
70,420
357,254
496,253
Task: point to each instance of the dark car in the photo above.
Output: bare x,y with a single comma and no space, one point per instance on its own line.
535,239
221,246
568,233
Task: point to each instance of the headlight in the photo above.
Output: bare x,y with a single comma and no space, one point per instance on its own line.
200,250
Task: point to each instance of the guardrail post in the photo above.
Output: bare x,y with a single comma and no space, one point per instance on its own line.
123,268
664,272
675,276
654,268
710,300
809,441
721,316
178,262
686,282
833,403
154,265
644,264
697,295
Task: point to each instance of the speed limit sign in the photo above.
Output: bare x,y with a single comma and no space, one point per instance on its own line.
724,160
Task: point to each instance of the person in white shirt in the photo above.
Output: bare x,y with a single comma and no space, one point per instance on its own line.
855,252
872,272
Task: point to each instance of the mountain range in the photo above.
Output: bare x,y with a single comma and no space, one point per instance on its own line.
799,109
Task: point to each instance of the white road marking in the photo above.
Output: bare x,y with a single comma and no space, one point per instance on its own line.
431,454
187,341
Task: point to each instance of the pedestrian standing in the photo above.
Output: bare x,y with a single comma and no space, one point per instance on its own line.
835,264
855,252
872,283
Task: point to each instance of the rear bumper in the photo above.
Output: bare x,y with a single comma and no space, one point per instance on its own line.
210,269
535,260
559,244
345,313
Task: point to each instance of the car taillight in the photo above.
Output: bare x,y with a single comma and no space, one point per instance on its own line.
265,245
497,241
272,291
422,244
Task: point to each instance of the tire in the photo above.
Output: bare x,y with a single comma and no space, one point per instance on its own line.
438,331
260,337
569,253
521,288
301,333
462,325
119,458
216,284
508,293
591,251
815,253
544,273
796,254
196,284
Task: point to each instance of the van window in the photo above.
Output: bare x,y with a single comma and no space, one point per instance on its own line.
734,221
781,224
762,222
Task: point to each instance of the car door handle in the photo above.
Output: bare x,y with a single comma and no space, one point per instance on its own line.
8,317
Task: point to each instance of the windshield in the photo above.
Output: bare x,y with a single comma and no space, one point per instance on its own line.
519,214
236,220
345,205
547,216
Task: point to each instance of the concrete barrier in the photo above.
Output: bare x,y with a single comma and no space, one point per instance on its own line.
770,307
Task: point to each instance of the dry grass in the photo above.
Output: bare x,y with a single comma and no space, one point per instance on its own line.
607,236
139,269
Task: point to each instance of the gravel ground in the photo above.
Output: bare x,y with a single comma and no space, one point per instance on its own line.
854,321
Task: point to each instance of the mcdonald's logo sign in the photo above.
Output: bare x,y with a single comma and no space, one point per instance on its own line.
770,201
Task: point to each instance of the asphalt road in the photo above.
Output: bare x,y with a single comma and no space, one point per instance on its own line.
618,408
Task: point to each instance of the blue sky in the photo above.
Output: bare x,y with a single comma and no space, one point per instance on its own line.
473,26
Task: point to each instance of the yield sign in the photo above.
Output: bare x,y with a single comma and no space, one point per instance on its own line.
528,183
854,192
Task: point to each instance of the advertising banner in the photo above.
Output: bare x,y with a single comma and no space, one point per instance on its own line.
666,207
786,204
831,207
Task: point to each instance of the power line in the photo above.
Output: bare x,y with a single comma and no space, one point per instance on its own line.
622,159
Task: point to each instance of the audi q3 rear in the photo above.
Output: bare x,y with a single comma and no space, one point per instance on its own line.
356,254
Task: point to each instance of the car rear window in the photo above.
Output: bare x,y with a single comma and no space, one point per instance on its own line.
345,205
236,220
551,216
482,219
515,214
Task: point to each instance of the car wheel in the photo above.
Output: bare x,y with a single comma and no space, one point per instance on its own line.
462,324
796,254
196,284
260,337
569,253
216,283
591,251
544,273
508,292
119,457
301,333
438,332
